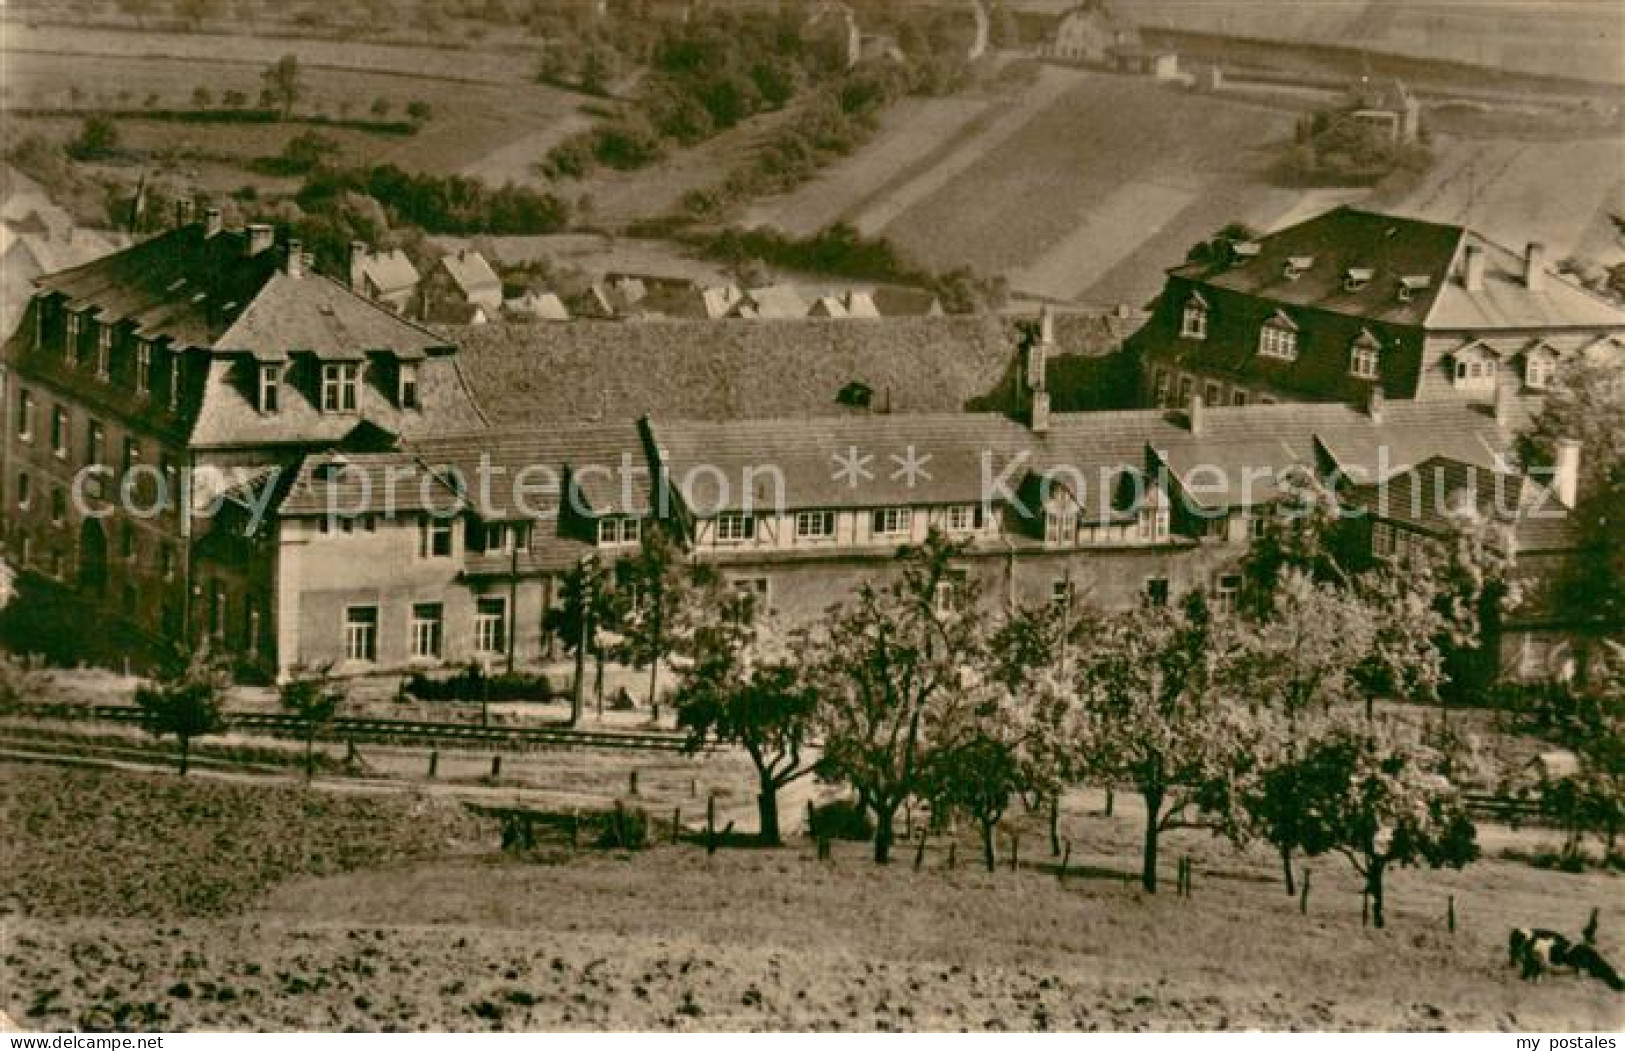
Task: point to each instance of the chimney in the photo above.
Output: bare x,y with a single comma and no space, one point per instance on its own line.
1473,278
1503,403
1038,352
1040,414
212,223
1566,472
294,264
1375,405
1534,267
358,257
1197,416
260,237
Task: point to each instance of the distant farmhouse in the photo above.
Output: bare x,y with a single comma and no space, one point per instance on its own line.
387,277
1353,303
37,237
462,288
1095,34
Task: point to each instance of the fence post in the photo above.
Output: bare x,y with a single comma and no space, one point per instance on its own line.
496,767
1066,857
1015,850
1109,798
919,852
711,824
575,829
632,783
676,823
953,849
1450,914
434,764
1303,895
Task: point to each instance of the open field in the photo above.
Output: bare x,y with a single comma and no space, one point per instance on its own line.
1561,193
1107,165
473,128
415,922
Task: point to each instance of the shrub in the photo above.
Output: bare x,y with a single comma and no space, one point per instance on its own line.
98,138
842,819
623,828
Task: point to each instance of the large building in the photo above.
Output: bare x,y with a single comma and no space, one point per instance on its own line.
345,488
1352,301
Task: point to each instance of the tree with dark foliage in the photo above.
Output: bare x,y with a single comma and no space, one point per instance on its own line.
187,703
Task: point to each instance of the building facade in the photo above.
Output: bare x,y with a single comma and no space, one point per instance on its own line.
1352,302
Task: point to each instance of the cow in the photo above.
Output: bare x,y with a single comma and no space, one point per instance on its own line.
1536,951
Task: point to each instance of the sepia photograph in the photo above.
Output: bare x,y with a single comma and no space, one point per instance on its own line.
812,516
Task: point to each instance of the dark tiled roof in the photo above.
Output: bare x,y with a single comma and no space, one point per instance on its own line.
181,284
748,369
1338,240
1438,494
393,483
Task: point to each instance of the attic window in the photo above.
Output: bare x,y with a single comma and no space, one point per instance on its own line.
1475,367
1278,338
269,387
1365,356
1539,366
1193,321
407,392
1297,266
1411,284
1357,277
340,386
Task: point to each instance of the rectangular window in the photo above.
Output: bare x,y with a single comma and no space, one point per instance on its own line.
1363,362
95,443
434,538
59,431
1210,394
217,610
892,521
1537,373
1156,591
734,527
340,383
1238,397
409,385
270,387
1193,322
965,518
613,531
1186,384
1277,341
25,414
70,342
1060,527
1224,596
1060,594
1383,540
428,630
104,351
361,633
815,525
1160,386
491,625
25,489
1153,523
143,367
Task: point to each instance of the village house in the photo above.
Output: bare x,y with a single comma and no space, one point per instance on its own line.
1091,34
1354,301
387,277
462,289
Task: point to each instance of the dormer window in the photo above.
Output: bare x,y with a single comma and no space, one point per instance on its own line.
340,386
1411,284
1475,366
1539,366
408,385
1278,338
1193,320
1357,277
1296,266
1365,356
270,387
